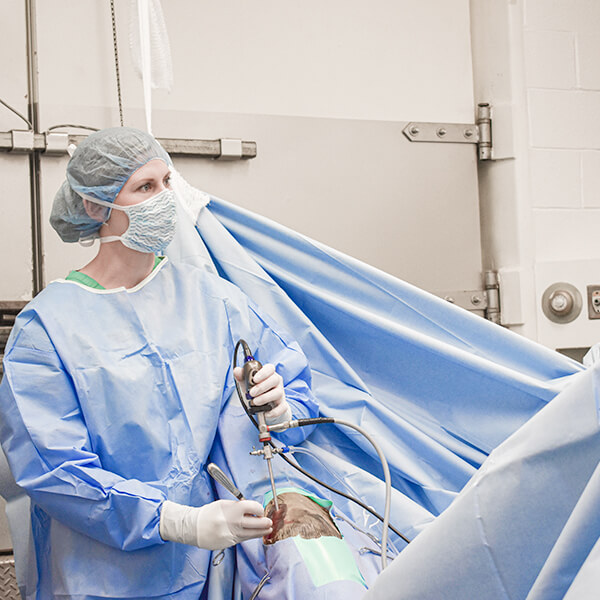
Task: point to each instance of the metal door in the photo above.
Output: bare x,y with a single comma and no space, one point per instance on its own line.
325,89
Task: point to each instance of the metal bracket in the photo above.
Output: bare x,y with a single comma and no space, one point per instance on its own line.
486,300
56,143
230,149
21,141
9,309
479,133
469,299
455,133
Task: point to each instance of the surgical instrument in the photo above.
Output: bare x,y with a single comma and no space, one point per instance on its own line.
250,368
220,477
269,448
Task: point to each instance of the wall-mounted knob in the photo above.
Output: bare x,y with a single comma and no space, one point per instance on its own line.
561,302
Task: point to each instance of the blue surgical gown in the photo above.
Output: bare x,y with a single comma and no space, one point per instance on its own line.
109,405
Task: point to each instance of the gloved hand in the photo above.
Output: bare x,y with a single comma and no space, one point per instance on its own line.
268,388
214,526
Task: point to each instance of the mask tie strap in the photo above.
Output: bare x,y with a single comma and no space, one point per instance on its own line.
88,241
110,238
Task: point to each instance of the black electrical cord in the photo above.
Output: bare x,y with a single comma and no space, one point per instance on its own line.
72,125
347,496
16,112
304,422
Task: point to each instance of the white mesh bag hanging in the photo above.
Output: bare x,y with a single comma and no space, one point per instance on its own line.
150,50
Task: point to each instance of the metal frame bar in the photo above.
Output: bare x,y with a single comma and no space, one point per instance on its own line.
57,143
34,158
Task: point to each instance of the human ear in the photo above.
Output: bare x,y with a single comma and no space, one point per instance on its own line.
94,211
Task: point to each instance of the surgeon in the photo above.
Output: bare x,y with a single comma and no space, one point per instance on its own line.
114,381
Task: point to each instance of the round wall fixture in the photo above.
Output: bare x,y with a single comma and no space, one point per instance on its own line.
561,302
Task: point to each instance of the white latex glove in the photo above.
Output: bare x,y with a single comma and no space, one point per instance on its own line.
214,526
268,388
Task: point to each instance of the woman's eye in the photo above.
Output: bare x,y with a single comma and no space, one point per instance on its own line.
167,181
145,187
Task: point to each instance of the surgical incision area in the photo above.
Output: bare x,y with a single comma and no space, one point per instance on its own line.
298,515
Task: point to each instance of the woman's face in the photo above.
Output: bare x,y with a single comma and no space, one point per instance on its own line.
147,181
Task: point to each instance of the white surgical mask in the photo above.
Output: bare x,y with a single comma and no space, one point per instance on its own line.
151,223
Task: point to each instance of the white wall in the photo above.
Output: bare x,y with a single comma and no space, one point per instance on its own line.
541,206
340,58
562,65
389,60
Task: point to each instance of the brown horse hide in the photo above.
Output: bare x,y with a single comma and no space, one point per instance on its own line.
298,515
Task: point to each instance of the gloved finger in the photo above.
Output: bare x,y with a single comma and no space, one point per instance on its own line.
250,507
275,396
262,374
253,533
273,381
277,411
280,418
238,373
254,523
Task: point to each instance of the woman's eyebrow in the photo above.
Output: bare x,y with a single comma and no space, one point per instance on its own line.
142,180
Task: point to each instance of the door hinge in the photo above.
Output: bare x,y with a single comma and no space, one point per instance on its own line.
486,300
475,300
479,133
492,290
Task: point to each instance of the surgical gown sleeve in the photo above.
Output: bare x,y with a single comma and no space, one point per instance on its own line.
44,436
271,344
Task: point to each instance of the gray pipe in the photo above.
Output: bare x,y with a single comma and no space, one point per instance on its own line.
34,157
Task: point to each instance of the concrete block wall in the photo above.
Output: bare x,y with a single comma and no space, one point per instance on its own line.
562,66
561,46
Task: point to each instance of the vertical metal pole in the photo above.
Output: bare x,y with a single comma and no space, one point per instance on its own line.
34,157
117,70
